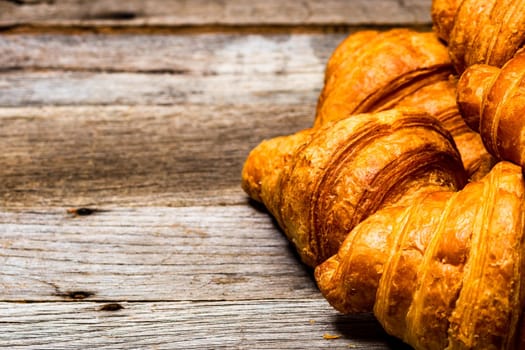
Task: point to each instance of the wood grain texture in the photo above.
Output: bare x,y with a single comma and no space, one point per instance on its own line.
225,93
229,12
122,220
162,70
267,324
197,54
132,156
52,88
187,253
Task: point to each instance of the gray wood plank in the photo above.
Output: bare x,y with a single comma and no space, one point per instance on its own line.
59,88
202,69
134,156
158,253
265,324
202,12
199,54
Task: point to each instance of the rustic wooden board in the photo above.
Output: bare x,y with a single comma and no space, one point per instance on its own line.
131,156
208,69
199,12
225,102
265,324
186,253
59,88
193,54
143,112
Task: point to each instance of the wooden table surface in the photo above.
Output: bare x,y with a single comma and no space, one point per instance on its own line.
124,127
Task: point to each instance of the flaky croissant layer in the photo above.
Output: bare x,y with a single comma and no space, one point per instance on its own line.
493,101
373,71
320,183
444,272
480,31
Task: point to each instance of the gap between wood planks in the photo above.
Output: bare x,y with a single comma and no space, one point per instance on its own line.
266,29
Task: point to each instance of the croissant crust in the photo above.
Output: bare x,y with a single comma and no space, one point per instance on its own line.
488,31
320,183
373,71
493,100
444,272
394,196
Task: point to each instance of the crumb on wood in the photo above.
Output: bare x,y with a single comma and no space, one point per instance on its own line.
328,336
312,322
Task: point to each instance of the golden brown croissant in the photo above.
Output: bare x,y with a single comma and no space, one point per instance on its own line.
321,182
493,101
439,99
442,272
480,31
370,196
372,71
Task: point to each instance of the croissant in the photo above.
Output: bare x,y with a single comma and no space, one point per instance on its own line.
442,272
480,31
493,102
372,71
439,99
321,182
373,196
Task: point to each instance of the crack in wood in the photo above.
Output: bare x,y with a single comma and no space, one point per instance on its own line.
71,69
71,295
28,2
128,28
117,16
75,294
16,2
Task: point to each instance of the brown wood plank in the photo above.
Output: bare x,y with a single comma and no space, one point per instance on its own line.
261,324
203,12
132,156
158,253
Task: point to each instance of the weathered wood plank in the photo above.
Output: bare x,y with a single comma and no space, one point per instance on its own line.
276,324
210,69
173,239
59,88
131,156
177,254
202,54
203,12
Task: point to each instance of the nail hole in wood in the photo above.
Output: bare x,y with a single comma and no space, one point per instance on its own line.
111,307
77,294
81,211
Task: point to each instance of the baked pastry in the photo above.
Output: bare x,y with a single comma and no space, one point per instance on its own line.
373,71
480,31
373,197
321,182
493,102
444,271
